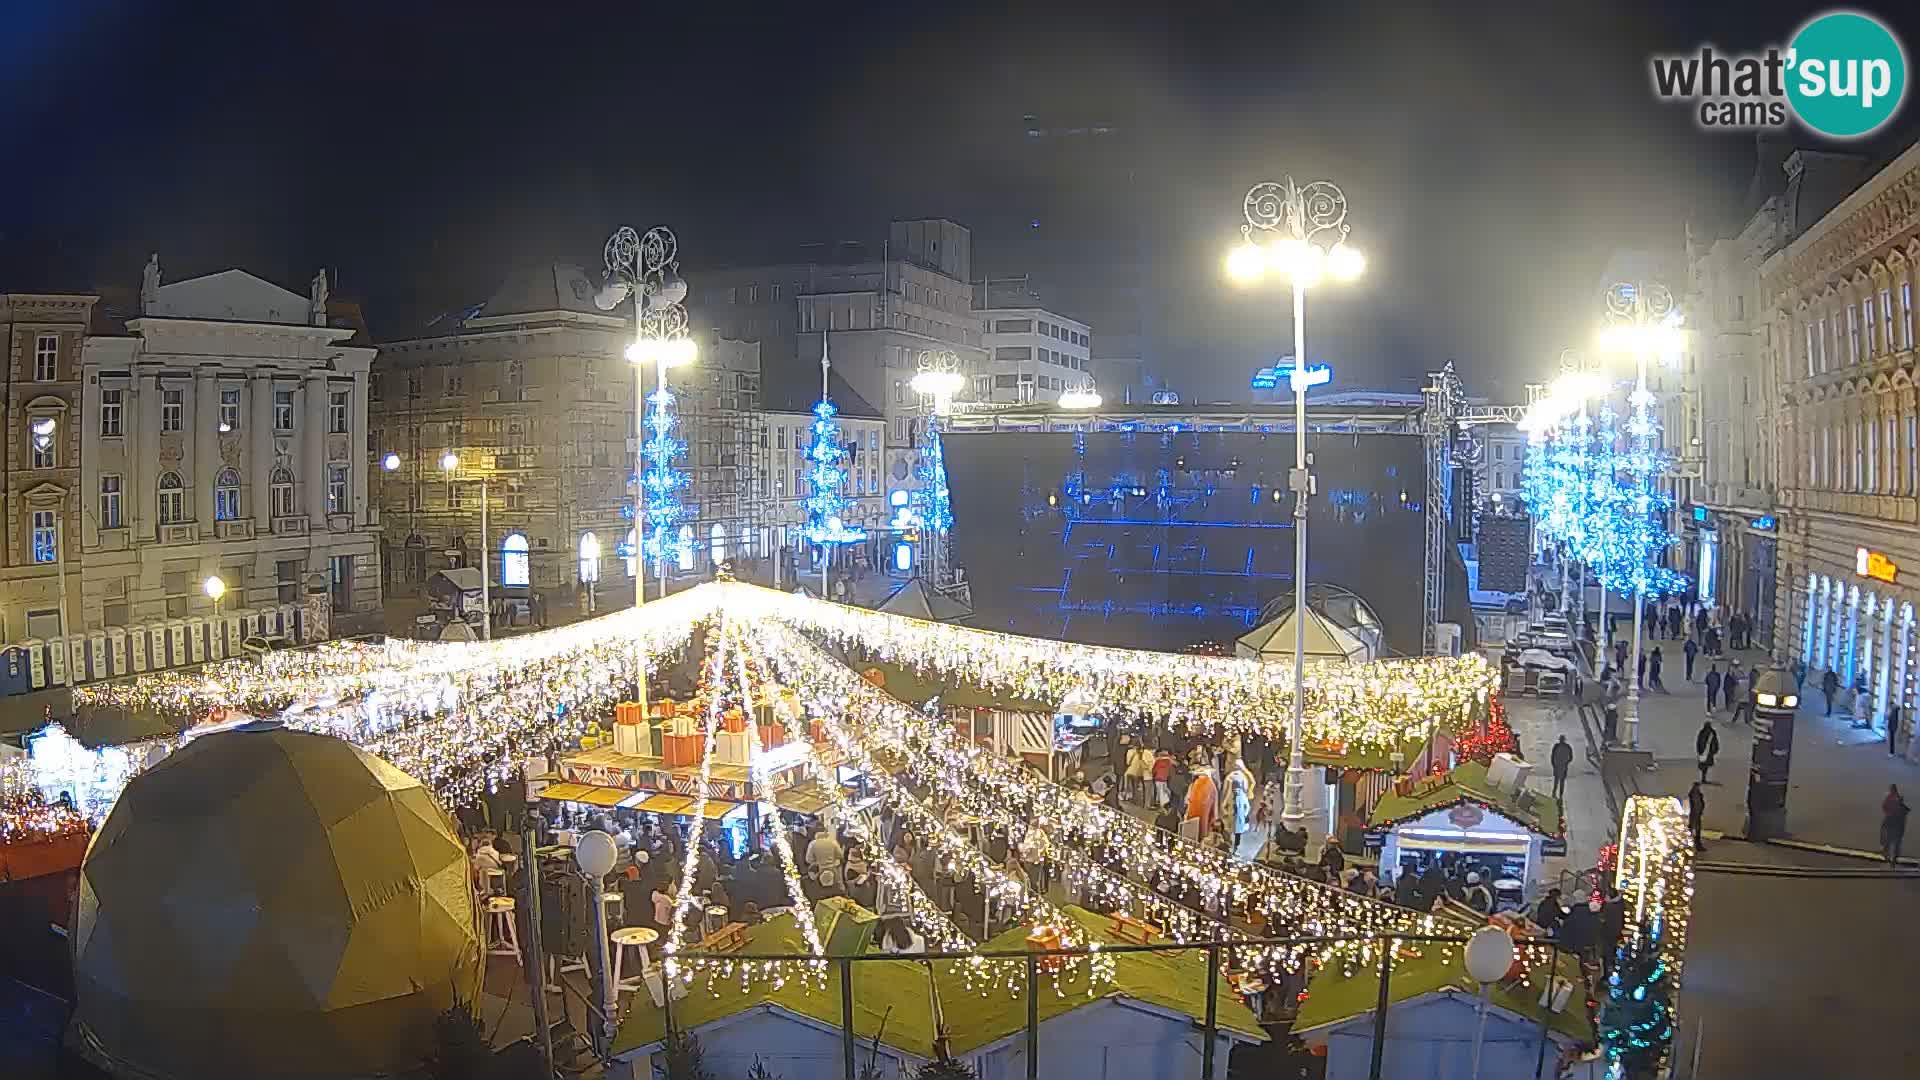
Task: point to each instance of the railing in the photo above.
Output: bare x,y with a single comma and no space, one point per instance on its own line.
1035,980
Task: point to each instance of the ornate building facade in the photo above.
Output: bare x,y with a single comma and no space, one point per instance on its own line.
1841,299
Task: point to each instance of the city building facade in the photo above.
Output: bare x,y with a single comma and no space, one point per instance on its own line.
871,318
784,487
1503,457
225,433
44,336
1033,353
1840,302
532,393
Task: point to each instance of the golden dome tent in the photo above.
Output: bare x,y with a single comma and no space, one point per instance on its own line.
268,902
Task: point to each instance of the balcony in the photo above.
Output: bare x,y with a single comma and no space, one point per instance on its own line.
339,523
184,533
289,526
236,529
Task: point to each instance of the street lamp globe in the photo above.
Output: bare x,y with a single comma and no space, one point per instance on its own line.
390,462
680,352
1345,262
215,588
449,461
639,352
1247,263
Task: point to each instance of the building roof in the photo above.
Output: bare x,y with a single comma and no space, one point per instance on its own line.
796,388
914,600
231,295
546,286
895,994
1333,997
1468,783
1325,639
464,578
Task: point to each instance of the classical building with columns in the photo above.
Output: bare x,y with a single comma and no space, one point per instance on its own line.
224,432
1841,303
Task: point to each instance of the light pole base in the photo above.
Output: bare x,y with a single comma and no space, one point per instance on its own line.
1296,812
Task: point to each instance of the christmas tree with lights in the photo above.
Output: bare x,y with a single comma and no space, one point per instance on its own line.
662,481
1636,1019
827,473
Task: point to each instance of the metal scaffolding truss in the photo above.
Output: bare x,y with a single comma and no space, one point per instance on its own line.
1445,404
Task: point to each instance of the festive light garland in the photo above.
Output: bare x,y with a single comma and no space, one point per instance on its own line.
1654,875
1378,706
683,896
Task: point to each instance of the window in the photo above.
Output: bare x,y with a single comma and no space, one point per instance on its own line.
1013,326
1046,329
44,536
1006,382
454,385
229,410
337,490
1499,452
1873,456
110,401
513,560
589,557
46,358
753,294
1866,326
337,411
774,292
1014,355
43,442
110,501
1889,341
226,496
684,548
1913,452
283,410
1906,315
173,500
873,439
280,493
717,544
1823,343
414,384
172,410
1853,336
633,552
1810,369
1855,447
780,437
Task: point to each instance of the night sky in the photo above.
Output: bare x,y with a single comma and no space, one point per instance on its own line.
1493,158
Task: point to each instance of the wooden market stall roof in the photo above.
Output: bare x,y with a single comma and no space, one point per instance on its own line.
657,802
895,994
911,687
1468,783
1333,997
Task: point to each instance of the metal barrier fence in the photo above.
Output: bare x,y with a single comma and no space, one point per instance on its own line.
1035,979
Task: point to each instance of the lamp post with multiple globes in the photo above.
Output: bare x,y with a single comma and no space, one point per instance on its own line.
450,464
645,269
1298,232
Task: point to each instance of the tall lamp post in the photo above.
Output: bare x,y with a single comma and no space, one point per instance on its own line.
1299,232
450,464
645,269
1644,321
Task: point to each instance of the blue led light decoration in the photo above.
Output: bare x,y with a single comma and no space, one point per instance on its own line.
664,482
933,501
827,473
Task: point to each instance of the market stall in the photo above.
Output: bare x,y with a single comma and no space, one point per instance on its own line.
1484,817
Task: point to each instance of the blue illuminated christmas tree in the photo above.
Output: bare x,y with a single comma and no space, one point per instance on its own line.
827,473
1636,1019
932,500
662,481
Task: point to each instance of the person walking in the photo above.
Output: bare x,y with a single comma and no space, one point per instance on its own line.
1640,670
1893,727
1893,823
1689,651
1696,813
1162,776
1730,692
1706,747
1713,687
1561,759
1830,687
1653,671
1676,621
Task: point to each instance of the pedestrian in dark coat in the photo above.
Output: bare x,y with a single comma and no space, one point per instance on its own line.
1653,670
1561,759
1676,621
1830,687
1696,814
1690,650
1713,688
1893,823
1706,747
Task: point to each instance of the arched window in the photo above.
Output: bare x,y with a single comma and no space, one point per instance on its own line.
226,496
173,500
685,548
280,492
589,557
633,552
718,537
513,560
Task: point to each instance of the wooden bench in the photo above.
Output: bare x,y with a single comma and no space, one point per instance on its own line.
728,938
1130,929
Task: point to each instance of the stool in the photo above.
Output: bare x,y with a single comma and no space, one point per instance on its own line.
631,937
503,939
716,918
615,900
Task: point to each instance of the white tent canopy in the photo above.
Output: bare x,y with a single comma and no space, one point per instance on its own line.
1325,640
